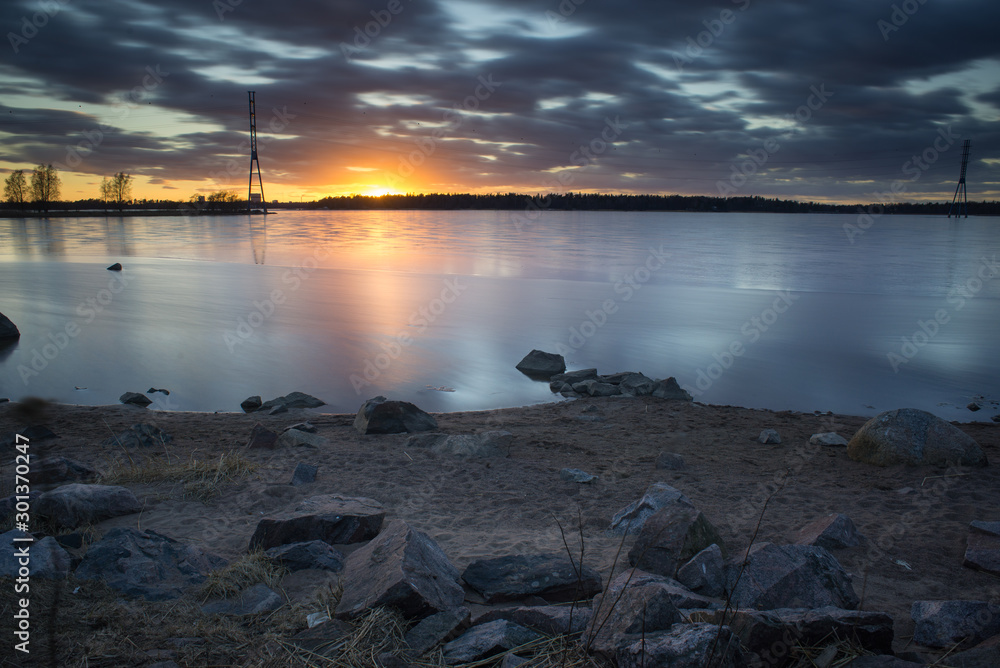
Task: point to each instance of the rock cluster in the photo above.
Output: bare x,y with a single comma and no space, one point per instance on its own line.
588,383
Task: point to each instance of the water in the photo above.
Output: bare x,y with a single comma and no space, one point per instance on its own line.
759,310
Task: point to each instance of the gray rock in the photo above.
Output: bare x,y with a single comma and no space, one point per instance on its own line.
293,438
913,437
670,461
76,504
671,536
769,437
683,646
557,386
47,559
140,435
486,444
629,520
322,639
293,400
303,474
944,623
541,365
401,568
261,438
595,388
576,475
984,655
250,404
331,518
307,427
571,377
117,266
705,573
440,627
146,564
8,330
669,389
552,620
314,554
552,577
833,532
256,599
829,438
135,399
616,378
973,406
982,552
789,576
634,602
52,470
486,640
637,385
275,410
381,416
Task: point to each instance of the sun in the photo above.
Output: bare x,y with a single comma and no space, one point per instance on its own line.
380,191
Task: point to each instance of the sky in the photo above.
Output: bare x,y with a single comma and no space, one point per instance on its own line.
847,101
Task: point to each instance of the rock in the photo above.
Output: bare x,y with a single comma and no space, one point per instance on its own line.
256,599
629,520
671,536
576,475
140,435
913,437
683,646
8,330
982,552
571,377
261,438
552,577
331,518
146,564
293,438
595,388
276,410
705,573
973,406
307,427
829,438
552,620
769,437
944,623
135,399
32,434
314,554
76,504
9,504
117,266
47,559
429,632
789,576
556,386
250,404
161,391
293,400
316,618
401,568
381,416
669,389
486,640
323,639
633,603
637,385
984,655
833,532
303,474
51,470
541,365
486,444
772,633
670,462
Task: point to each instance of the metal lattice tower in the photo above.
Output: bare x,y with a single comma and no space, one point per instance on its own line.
254,160
961,184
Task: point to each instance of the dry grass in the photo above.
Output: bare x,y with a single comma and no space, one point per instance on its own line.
202,478
250,569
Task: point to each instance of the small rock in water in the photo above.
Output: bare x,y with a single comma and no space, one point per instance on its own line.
135,399
161,391
117,266
973,406
576,475
769,436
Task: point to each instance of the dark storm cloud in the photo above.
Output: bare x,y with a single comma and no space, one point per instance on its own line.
842,87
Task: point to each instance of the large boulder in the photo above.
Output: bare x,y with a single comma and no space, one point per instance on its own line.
293,438
74,505
400,568
146,564
552,577
552,620
8,330
570,378
633,603
705,573
331,518
914,437
683,646
381,416
484,445
789,576
541,365
135,399
946,623
629,520
261,438
482,642
47,559
669,389
596,388
431,631
637,385
672,536
293,400
314,554
982,551
834,531
139,435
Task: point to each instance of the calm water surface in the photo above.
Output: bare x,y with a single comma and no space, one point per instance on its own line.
768,311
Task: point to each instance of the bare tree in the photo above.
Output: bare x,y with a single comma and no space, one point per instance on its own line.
15,188
117,190
45,186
